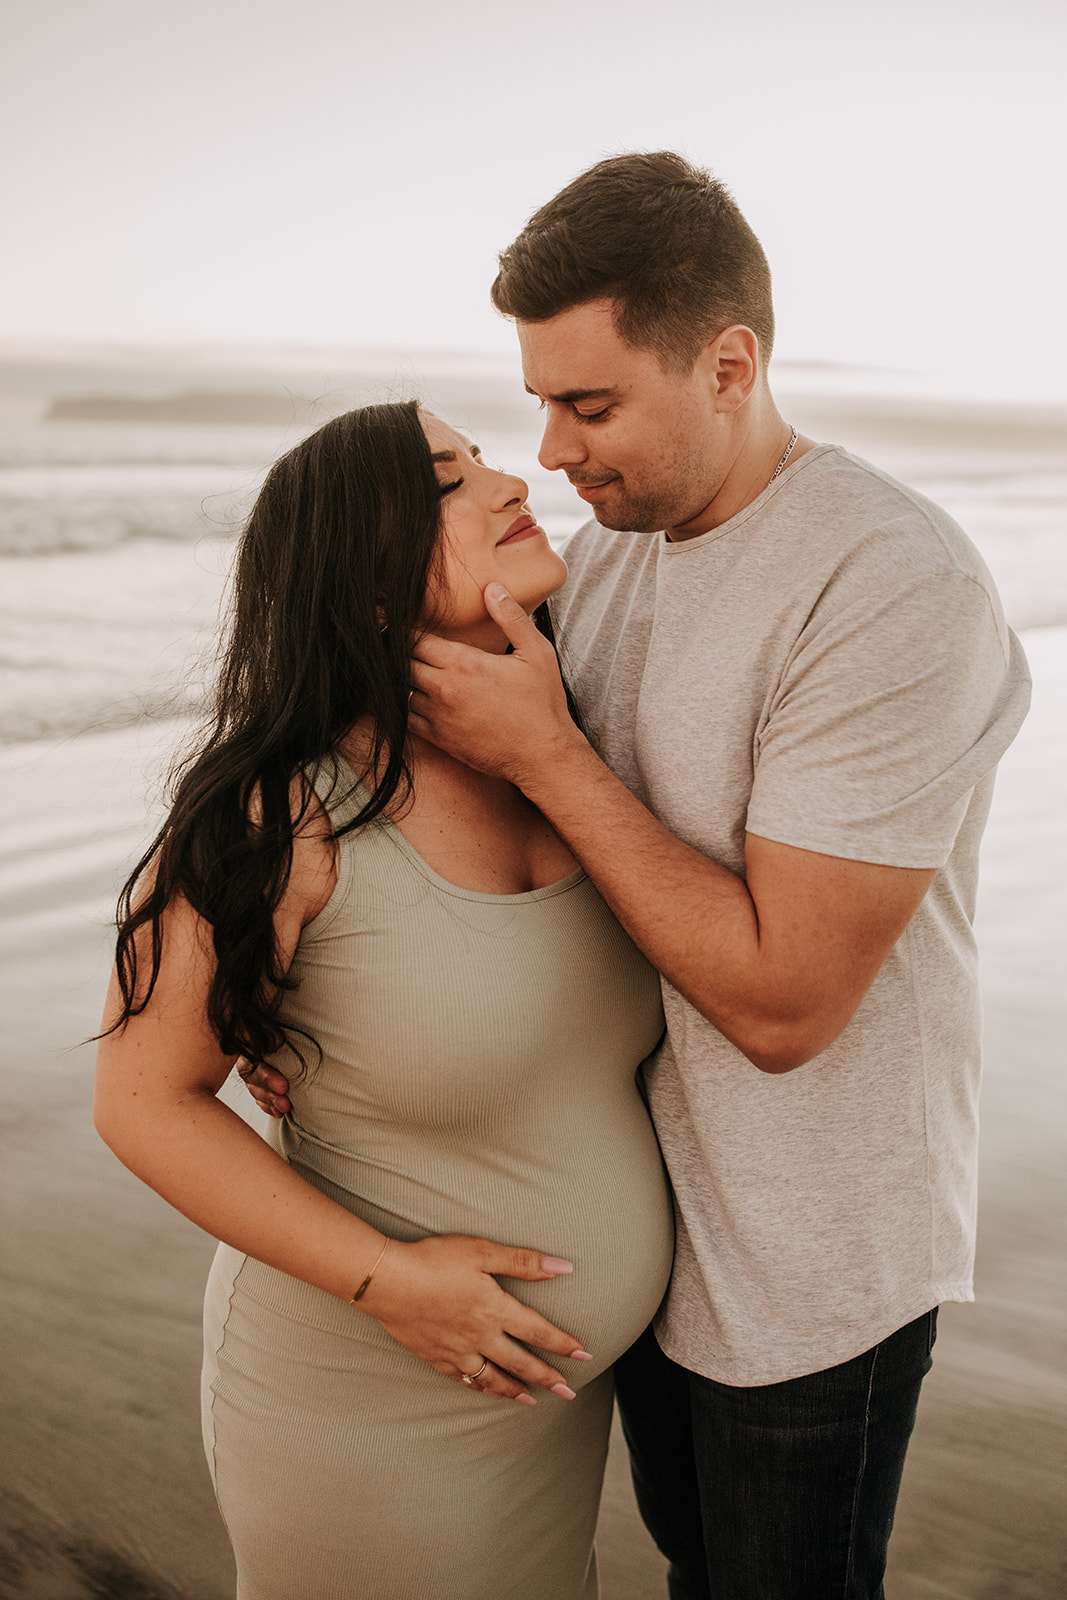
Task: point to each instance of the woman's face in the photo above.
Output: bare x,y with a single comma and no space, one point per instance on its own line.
487,536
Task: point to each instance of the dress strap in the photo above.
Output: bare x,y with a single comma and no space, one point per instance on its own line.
339,789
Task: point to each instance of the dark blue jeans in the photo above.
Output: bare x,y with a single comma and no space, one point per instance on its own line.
785,1492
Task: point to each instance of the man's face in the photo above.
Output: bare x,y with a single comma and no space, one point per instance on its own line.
637,442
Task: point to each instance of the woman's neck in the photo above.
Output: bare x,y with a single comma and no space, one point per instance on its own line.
475,831
429,764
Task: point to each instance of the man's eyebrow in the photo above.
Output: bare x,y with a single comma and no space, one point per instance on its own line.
569,396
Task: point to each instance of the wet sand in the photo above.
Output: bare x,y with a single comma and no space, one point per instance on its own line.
103,1491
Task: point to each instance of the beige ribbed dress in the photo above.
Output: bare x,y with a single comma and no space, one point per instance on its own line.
477,1077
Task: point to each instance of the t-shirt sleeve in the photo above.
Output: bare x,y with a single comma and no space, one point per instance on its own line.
889,711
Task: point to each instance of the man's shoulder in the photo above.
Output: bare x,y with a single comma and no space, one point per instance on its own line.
841,508
851,487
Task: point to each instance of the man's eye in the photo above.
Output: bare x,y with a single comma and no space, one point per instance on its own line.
593,416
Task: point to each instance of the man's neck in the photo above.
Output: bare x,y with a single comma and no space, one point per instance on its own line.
757,450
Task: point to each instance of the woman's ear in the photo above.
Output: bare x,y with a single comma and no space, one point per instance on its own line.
383,621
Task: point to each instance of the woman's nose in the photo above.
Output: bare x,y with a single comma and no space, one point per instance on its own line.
514,489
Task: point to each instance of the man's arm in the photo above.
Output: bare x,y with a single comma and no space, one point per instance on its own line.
778,961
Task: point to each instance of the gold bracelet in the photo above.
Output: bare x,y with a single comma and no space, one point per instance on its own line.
361,1291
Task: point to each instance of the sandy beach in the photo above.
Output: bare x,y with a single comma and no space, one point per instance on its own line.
104,1489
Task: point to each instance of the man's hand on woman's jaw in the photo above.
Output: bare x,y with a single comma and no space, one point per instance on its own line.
506,715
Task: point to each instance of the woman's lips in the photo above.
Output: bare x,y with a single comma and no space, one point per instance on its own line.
523,528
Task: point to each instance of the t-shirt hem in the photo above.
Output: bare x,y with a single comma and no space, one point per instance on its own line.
782,1365
827,844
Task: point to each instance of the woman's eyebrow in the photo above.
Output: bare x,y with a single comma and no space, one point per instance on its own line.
450,455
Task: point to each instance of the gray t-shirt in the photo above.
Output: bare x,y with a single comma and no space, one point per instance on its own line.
830,669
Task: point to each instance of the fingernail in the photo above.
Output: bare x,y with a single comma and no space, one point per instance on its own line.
563,1392
554,1264
580,1355
496,591
526,1399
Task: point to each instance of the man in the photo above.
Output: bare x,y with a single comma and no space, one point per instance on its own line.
795,698
796,681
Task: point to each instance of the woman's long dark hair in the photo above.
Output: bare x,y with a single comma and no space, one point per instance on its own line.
330,582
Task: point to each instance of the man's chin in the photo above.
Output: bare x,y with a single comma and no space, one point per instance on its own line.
624,519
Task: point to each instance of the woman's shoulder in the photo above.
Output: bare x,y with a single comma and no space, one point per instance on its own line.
330,855
313,868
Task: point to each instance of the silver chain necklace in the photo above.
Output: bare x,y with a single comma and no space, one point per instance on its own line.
788,452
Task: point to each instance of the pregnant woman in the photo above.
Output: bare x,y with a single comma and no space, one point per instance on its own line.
467,1186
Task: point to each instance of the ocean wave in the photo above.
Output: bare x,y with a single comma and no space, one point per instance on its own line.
59,445
26,721
62,528
115,542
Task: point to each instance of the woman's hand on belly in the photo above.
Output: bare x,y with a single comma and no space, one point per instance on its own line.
440,1299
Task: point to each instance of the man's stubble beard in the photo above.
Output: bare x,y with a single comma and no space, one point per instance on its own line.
687,484
628,519
644,514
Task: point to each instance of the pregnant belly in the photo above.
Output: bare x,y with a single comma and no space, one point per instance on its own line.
598,1199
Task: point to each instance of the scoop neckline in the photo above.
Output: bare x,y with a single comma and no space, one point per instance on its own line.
422,866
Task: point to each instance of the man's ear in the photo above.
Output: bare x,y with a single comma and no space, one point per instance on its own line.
732,360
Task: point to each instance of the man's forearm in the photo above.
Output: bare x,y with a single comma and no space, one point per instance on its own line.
778,960
694,919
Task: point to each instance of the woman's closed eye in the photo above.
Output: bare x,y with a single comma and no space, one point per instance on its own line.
475,454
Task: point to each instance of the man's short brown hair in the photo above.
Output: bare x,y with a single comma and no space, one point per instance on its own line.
663,239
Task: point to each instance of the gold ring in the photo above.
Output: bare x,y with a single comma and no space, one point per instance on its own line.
471,1378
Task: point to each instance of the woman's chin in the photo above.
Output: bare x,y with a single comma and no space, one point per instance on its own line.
551,584
540,580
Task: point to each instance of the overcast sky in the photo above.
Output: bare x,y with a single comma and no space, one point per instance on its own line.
337,172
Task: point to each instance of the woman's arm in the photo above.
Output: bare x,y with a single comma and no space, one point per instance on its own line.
156,1106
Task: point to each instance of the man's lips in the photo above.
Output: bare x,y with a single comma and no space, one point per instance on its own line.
591,491
523,527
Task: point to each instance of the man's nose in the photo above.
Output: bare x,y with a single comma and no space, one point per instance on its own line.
561,445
